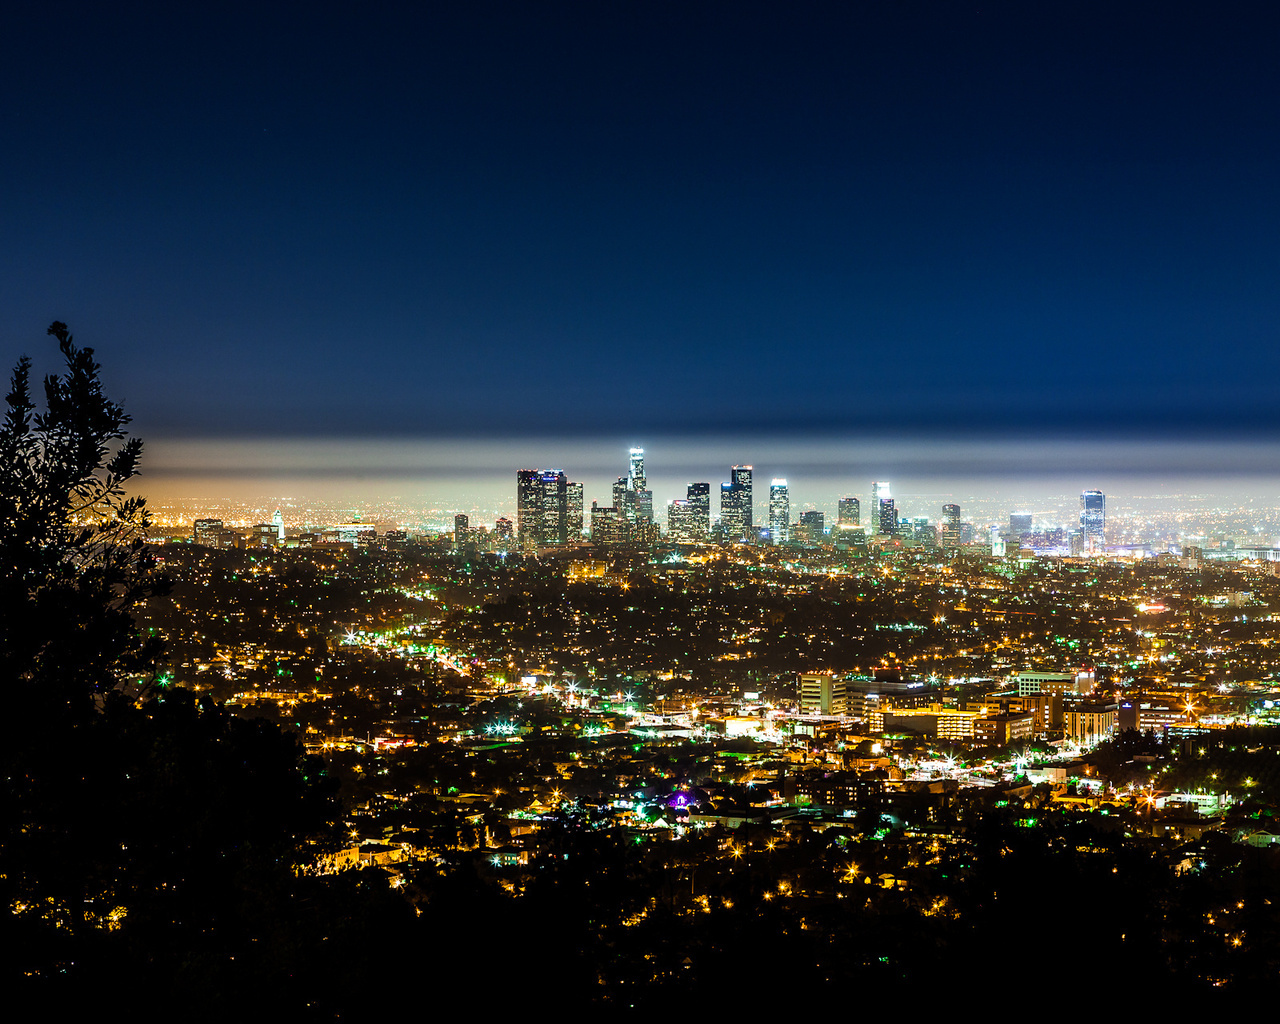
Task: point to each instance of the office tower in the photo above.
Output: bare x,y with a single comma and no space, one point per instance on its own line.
779,512
1019,524
1093,520
812,528
888,518
263,535
504,532
637,483
736,518
607,525
277,521
822,693
699,499
573,512
950,526
680,521
922,532
555,500
848,512
205,532
636,475
461,527
529,508
548,508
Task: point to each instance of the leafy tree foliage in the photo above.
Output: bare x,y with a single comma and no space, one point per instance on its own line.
141,827
72,546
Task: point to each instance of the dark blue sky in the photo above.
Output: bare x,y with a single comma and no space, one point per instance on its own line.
624,219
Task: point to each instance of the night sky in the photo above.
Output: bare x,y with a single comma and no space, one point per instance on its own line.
631,220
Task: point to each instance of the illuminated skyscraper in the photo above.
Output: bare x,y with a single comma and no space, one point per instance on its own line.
680,521
548,508
950,526
779,512
461,527
636,474
638,484
1093,520
736,519
529,507
277,521
573,512
886,515
812,528
699,501
848,512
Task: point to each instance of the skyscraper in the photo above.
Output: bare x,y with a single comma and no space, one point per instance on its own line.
886,514
277,521
848,512
812,528
950,526
548,508
779,512
680,521
528,508
573,512
736,519
1093,520
699,501
638,484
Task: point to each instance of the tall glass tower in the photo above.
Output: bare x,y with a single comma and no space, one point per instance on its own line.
1093,520
736,519
951,526
779,512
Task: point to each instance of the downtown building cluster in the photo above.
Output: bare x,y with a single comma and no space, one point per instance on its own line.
550,511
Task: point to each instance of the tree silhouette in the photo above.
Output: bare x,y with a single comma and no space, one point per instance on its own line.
73,557
141,828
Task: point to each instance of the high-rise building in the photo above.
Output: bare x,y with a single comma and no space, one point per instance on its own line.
950,526
848,512
607,525
636,474
699,499
277,521
573,512
461,527
736,518
548,508
638,484
680,521
1093,520
823,693
504,533
779,512
886,516
529,507
812,529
